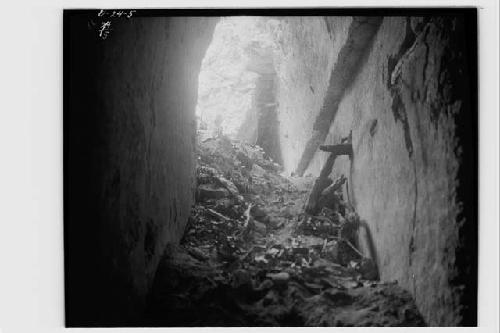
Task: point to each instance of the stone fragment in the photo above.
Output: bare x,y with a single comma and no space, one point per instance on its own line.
241,276
207,192
260,228
273,252
197,253
282,276
229,185
339,297
261,259
299,253
266,284
368,269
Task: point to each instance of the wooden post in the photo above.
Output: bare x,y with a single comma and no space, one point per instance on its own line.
323,181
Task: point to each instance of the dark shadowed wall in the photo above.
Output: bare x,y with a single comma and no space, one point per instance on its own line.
129,167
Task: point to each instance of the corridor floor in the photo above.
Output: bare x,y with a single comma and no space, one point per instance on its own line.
250,256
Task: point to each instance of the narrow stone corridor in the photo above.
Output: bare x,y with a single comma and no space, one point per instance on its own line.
241,168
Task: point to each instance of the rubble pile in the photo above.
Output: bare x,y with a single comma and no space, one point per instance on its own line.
252,256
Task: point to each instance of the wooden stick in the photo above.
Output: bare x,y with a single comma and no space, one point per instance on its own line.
219,215
352,247
328,166
247,215
340,149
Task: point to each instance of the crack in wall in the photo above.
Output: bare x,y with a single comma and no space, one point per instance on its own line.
411,247
395,67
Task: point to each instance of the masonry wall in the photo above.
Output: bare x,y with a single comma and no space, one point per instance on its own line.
129,166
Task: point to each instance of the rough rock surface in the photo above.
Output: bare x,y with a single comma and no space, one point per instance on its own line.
308,49
130,140
229,74
129,158
406,110
349,62
302,52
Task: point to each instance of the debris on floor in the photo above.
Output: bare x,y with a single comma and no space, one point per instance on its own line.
252,255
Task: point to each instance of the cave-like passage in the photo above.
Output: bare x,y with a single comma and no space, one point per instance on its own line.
262,248
238,85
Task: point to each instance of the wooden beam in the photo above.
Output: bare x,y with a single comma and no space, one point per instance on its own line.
340,149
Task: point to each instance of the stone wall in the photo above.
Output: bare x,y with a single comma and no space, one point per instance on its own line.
129,166
308,49
407,99
412,176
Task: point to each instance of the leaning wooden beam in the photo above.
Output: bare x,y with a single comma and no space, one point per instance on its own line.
312,201
328,194
323,181
327,167
218,215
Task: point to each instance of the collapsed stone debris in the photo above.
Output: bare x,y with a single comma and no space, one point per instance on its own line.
261,249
